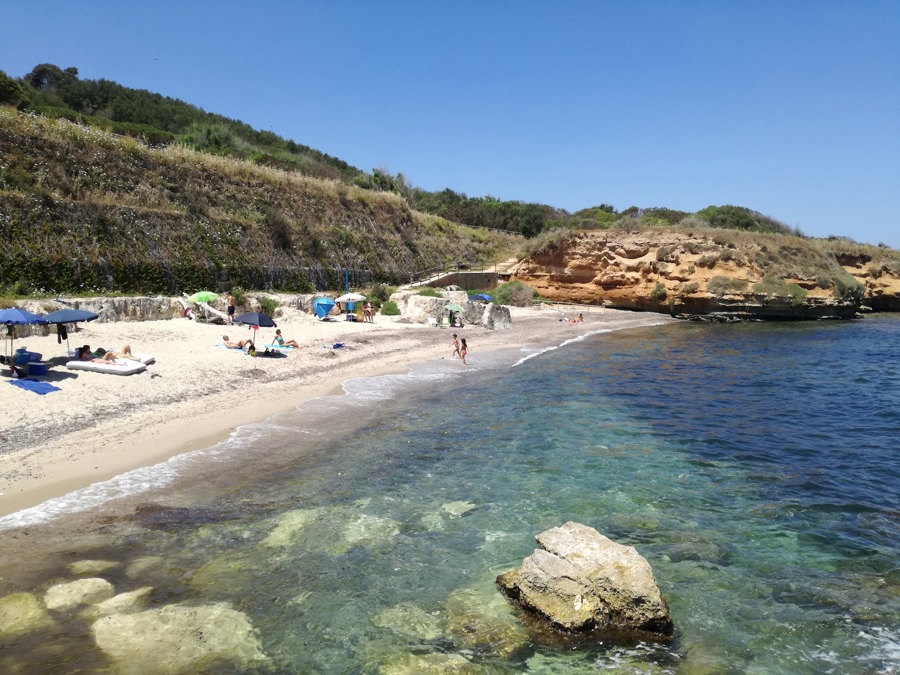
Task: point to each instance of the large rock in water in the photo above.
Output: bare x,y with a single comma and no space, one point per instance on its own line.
179,639
580,580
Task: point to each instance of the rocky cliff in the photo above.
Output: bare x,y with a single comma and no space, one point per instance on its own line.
719,273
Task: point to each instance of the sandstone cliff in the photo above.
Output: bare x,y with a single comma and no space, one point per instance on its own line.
722,273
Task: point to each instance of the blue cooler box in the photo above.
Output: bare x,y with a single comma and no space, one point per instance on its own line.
37,368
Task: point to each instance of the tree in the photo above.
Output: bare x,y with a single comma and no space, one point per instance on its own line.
12,93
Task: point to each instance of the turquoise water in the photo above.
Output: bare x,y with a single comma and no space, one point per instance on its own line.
753,465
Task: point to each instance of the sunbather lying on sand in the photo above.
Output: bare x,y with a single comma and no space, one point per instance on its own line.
240,344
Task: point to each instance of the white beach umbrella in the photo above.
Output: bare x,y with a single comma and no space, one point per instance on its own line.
350,297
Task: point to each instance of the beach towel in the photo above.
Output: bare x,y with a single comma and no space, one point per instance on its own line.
34,385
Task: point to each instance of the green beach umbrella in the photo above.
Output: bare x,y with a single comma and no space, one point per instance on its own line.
203,296
453,307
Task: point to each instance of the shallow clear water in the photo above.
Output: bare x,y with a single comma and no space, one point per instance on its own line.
753,465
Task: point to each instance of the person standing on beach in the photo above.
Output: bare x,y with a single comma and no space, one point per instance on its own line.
230,302
455,346
463,350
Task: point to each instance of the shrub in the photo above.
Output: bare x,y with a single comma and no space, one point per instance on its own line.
666,254
389,308
772,287
268,305
846,287
722,285
659,292
514,293
430,292
708,260
690,287
379,293
240,296
798,294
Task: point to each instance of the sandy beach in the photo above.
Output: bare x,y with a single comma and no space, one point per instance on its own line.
99,425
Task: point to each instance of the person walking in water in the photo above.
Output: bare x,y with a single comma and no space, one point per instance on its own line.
455,346
463,350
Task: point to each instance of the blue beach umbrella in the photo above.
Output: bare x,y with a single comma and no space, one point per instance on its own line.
321,306
17,317
13,316
255,319
484,297
68,315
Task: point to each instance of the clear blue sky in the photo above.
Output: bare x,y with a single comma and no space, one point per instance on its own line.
788,107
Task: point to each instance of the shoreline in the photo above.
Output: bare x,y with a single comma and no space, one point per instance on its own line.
195,395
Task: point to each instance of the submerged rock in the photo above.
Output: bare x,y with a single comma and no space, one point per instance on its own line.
179,639
409,620
142,565
92,567
366,530
480,620
432,522
288,525
20,614
430,663
123,603
580,580
79,592
458,509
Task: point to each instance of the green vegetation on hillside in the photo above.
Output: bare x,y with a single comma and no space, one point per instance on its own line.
86,211
160,121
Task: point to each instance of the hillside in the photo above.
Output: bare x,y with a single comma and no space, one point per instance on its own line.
83,210
701,271
161,121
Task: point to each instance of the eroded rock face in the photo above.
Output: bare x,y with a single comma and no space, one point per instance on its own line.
580,580
419,308
700,273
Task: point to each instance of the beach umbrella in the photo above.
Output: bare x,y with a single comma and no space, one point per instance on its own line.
13,316
255,320
323,305
350,297
203,296
16,317
484,297
453,307
67,315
